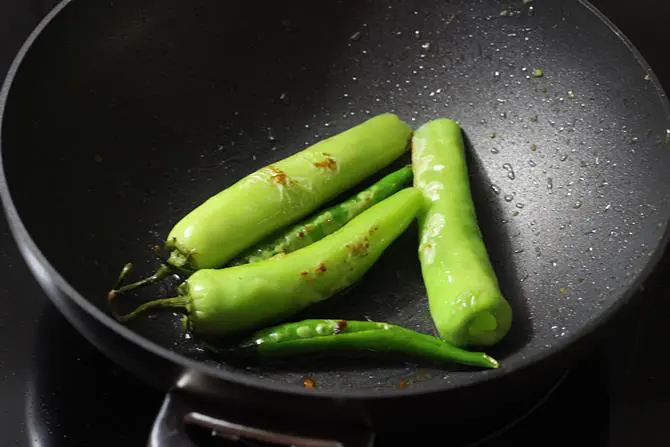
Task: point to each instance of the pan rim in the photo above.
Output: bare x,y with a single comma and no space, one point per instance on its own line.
23,238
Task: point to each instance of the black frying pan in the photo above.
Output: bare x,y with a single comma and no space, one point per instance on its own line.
119,117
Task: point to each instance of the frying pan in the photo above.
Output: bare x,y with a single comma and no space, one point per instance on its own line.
119,117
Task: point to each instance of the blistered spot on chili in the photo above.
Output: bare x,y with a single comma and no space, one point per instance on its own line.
327,163
278,176
301,234
373,230
340,326
321,268
156,248
304,274
359,248
403,384
327,154
309,383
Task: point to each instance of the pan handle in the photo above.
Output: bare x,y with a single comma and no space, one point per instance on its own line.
179,410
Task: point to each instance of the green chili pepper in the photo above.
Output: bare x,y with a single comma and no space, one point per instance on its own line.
328,221
279,194
314,336
225,301
464,297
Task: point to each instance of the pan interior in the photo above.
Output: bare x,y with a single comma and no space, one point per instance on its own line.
124,116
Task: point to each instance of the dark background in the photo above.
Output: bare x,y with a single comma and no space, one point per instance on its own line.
621,398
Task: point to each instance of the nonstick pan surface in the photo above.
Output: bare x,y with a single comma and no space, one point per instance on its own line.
119,117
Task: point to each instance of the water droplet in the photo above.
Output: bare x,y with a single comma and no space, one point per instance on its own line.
508,198
425,46
495,150
495,188
520,205
284,97
564,157
355,36
578,204
496,74
510,171
571,94
518,250
492,136
550,183
417,34
271,136
608,206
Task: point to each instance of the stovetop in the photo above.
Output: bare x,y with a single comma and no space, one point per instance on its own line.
56,389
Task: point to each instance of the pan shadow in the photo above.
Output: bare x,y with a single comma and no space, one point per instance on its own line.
499,245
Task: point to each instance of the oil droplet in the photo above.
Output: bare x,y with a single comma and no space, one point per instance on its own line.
355,36
496,189
426,46
531,163
520,205
508,198
571,94
564,157
417,34
496,74
495,150
283,97
578,204
510,171
309,383
550,183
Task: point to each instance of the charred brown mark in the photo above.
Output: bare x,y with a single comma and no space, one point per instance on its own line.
359,248
278,176
327,163
373,230
309,383
301,234
340,325
321,268
403,384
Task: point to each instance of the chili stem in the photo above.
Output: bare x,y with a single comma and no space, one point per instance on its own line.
122,276
177,301
162,272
